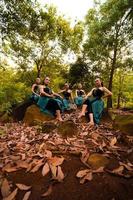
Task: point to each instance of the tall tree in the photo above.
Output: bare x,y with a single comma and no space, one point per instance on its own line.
37,35
108,38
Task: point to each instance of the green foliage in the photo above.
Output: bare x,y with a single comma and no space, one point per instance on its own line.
11,91
122,89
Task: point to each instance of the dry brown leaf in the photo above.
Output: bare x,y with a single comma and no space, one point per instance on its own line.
85,156
126,166
113,141
45,169
48,154
118,170
9,168
27,195
12,195
22,164
88,177
56,161
82,173
99,170
22,186
60,174
48,192
36,168
5,188
53,170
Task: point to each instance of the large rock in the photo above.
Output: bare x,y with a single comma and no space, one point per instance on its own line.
18,111
67,128
34,116
97,160
124,123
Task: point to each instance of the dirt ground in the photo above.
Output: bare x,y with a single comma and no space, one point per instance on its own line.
103,186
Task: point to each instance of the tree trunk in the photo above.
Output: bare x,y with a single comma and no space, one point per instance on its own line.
118,101
38,72
109,100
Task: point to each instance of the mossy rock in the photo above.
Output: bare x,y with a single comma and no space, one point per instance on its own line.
124,123
97,160
33,116
48,127
5,118
67,128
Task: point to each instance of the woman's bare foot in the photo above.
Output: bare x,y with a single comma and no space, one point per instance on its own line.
91,124
81,115
59,119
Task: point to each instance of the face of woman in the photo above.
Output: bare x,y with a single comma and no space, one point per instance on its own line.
66,86
47,80
98,82
38,80
79,86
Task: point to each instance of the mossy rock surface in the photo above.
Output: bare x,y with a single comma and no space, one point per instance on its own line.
124,123
48,127
5,118
33,116
67,128
97,160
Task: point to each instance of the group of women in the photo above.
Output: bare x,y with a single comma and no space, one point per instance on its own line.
55,103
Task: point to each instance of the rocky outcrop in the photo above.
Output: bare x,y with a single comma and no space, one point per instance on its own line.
33,116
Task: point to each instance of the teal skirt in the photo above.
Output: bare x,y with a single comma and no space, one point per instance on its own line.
66,104
34,98
42,103
97,108
78,101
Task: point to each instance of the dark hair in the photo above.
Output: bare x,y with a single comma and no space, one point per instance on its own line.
102,83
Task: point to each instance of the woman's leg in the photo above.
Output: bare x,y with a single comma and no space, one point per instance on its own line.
85,106
55,108
83,111
58,115
91,122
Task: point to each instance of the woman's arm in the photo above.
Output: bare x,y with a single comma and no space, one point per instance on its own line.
108,92
84,93
76,93
44,93
61,91
33,88
57,95
89,94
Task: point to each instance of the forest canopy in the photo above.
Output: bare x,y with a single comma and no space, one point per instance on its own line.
35,41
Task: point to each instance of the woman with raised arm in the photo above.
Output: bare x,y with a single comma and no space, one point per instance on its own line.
67,96
79,96
48,102
36,90
94,104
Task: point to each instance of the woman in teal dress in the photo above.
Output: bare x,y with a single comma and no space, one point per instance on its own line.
48,101
36,90
94,104
67,97
80,94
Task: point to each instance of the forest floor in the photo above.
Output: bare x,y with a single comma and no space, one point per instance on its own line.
80,164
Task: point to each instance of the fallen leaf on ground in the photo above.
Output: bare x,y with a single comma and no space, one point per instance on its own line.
36,168
118,170
5,188
12,195
48,192
88,177
113,141
60,174
82,173
56,160
27,195
22,186
45,169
